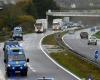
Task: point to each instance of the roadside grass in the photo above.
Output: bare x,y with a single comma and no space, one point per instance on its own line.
50,40
77,66
97,34
71,62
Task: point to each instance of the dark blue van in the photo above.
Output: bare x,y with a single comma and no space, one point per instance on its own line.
15,60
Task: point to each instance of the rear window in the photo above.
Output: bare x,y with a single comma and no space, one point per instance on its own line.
85,33
16,50
12,43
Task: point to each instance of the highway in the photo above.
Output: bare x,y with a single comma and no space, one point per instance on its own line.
40,65
81,46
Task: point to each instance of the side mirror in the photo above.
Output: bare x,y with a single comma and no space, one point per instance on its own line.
5,61
27,59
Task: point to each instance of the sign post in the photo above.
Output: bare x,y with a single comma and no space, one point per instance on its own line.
96,55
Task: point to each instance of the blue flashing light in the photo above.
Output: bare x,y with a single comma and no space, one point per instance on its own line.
21,67
13,67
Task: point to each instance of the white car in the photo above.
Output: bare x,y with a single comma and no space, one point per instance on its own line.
71,31
92,40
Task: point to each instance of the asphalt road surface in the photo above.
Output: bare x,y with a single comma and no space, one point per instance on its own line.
39,64
81,46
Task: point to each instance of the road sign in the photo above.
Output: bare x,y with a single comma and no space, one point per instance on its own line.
96,54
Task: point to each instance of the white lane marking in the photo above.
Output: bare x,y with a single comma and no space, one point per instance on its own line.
56,62
2,76
31,67
65,42
90,48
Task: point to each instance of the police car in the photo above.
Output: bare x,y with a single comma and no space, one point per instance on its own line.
17,33
15,60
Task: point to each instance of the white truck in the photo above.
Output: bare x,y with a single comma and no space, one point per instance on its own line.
57,23
40,25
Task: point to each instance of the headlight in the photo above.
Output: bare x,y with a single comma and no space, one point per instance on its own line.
25,64
21,67
9,65
13,67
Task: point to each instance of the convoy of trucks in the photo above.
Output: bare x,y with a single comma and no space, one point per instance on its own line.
40,25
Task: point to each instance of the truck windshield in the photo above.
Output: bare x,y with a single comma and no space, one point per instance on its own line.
38,25
16,57
17,31
55,23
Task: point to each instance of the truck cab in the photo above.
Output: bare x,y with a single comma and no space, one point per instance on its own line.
56,24
40,25
15,60
17,33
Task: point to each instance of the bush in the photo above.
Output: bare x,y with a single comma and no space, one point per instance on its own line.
27,22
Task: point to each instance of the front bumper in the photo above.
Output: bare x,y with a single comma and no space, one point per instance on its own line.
17,69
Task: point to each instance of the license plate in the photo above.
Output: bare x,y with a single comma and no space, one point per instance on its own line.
17,71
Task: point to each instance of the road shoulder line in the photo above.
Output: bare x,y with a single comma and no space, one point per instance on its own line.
55,61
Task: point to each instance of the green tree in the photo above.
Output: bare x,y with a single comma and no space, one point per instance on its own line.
27,22
43,5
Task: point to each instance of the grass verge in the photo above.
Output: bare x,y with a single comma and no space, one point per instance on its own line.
97,34
71,62
50,40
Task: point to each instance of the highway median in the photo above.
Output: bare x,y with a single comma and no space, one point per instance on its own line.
70,61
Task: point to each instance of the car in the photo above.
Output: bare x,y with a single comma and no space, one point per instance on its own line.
17,33
71,31
93,29
15,60
92,40
84,35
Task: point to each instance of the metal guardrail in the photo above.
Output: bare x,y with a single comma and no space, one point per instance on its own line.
58,38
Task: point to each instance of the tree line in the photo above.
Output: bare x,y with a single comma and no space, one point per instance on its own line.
24,13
